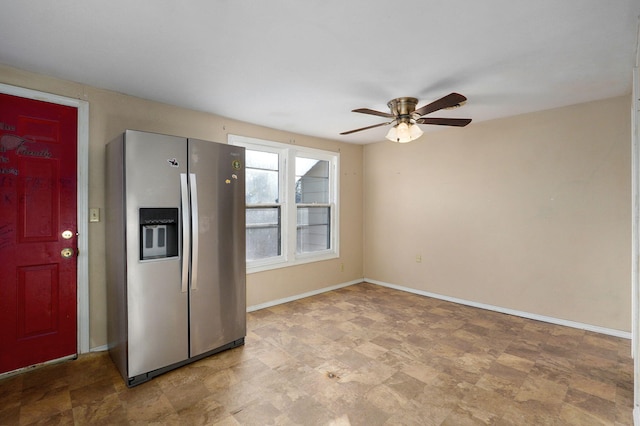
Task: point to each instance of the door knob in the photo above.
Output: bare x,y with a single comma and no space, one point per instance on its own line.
66,252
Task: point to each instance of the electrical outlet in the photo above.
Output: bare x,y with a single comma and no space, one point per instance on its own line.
418,258
342,267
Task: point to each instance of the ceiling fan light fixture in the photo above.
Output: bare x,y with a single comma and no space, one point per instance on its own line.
405,116
403,133
415,132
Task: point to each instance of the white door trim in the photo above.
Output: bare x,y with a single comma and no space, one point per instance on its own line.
83,199
635,231
635,241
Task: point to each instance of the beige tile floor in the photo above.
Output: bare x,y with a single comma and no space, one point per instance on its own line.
361,355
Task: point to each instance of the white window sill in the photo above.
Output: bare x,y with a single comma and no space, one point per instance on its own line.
300,259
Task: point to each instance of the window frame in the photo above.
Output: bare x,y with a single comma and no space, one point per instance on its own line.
287,154
281,258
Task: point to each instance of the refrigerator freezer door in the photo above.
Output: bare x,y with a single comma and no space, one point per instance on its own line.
218,304
156,306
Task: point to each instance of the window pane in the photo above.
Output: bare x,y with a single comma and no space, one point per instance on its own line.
261,186
261,177
312,180
261,160
263,233
313,229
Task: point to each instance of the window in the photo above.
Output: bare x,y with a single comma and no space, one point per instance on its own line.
291,203
313,230
262,169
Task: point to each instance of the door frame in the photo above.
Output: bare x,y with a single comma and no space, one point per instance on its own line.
635,243
635,231
82,278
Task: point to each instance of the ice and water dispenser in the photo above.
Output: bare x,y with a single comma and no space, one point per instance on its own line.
158,233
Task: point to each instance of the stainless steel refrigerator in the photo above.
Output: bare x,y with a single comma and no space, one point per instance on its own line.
175,223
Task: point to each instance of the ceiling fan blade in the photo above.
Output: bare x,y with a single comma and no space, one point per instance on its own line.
366,128
452,99
458,122
373,112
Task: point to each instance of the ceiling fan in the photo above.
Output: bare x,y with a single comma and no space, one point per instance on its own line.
405,116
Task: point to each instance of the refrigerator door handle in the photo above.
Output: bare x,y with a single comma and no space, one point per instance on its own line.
186,232
195,230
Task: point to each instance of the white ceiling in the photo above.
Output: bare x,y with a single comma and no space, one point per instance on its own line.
303,66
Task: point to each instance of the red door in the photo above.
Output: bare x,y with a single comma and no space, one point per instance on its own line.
38,241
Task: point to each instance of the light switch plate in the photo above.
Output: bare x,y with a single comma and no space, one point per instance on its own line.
94,215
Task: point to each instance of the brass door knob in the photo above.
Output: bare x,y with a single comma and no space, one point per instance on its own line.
66,253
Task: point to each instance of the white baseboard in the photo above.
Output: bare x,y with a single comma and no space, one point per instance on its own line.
301,296
636,416
573,324
99,348
271,303
566,323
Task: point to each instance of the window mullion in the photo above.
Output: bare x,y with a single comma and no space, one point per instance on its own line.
284,201
291,203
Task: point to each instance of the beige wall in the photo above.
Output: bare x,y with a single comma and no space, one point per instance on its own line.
111,113
530,213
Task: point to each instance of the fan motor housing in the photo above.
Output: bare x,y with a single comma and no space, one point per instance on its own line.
402,106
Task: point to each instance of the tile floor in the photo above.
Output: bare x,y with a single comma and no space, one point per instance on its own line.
361,355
